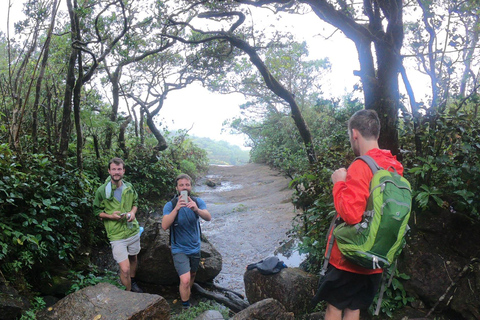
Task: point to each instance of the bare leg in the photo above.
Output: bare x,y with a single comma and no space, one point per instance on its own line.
332,313
351,314
133,265
192,278
185,286
125,274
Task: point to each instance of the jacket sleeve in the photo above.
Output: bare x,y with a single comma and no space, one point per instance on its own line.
350,196
135,198
97,203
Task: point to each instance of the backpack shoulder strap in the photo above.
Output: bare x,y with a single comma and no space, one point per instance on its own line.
172,226
174,204
194,199
370,162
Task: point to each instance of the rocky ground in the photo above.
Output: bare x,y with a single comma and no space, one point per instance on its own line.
251,215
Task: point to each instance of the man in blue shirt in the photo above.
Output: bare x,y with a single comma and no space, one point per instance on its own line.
183,217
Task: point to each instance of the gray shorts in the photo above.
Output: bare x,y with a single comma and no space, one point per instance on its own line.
186,263
121,249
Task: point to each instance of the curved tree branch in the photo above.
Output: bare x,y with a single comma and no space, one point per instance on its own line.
272,83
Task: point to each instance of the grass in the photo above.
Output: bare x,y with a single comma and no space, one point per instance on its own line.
195,311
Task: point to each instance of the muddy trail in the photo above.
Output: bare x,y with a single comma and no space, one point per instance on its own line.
252,213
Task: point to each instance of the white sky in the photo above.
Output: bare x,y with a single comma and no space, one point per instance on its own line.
194,107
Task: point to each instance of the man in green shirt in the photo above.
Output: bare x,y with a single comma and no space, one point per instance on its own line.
116,204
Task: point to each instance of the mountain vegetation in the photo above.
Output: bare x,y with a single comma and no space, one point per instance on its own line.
222,152
81,86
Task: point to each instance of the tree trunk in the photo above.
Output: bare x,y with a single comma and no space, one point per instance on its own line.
380,84
76,111
121,136
282,92
18,84
46,51
114,79
69,88
67,108
162,143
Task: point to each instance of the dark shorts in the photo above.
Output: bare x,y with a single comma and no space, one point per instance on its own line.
347,290
186,263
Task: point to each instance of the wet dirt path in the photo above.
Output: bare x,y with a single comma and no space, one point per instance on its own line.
251,215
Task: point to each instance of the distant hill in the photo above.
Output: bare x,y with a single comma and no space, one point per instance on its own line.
222,152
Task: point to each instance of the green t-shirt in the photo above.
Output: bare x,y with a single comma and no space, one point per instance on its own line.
106,202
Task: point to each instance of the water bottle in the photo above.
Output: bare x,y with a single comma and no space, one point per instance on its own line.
129,223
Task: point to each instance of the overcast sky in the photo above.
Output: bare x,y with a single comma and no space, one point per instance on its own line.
204,112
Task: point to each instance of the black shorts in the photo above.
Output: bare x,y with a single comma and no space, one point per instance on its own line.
347,290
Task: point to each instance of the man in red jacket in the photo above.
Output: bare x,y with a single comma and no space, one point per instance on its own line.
346,287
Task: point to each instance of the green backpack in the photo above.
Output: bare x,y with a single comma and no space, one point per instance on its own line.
376,241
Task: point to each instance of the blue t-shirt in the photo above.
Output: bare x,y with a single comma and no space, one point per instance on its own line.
187,229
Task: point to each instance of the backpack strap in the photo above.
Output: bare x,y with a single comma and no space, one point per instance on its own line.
383,287
373,165
335,221
370,162
333,224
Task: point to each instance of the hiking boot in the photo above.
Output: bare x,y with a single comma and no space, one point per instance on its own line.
186,305
136,288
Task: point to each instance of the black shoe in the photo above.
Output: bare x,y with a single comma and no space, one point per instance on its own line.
186,305
136,288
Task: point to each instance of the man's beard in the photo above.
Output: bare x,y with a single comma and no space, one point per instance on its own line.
113,177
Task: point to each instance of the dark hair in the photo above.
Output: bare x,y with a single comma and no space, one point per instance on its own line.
366,122
183,176
117,161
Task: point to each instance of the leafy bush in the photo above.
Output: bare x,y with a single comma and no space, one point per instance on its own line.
152,175
82,279
44,213
186,155
38,304
447,171
395,297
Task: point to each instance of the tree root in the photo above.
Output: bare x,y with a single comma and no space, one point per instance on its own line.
230,299
453,284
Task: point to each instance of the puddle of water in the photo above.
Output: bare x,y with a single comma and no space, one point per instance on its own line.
225,186
288,253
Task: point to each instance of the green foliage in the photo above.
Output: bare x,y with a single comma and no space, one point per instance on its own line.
446,174
43,213
152,175
276,142
188,157
425,194
313,195
38,304
266,118
82,279
222,152
395,297
195,311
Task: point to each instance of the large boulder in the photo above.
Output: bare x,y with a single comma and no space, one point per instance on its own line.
105,301
11,303
155,263
268,309
441,258
210,315
292,287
